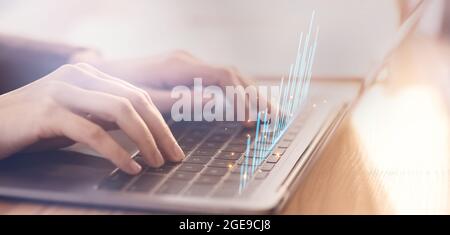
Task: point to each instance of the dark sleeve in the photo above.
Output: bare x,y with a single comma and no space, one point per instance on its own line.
446,23
23,60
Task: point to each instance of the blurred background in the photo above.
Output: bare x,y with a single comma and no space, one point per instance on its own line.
258,36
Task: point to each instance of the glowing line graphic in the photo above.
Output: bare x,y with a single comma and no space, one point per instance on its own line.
244,167
263,139
292,95
297,70
255,147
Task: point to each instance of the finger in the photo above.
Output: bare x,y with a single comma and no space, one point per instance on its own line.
223,77
176,68
210,76
145,108
262,102
185,55
164,101
99,74
246,82
113,109
84,131
227,77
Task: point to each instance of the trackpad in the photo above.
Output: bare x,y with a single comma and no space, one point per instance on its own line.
119,136
58,170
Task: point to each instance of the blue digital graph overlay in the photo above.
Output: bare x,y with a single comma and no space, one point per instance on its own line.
293,94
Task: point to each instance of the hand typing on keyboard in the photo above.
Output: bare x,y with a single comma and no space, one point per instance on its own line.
73,102
78,103
159,74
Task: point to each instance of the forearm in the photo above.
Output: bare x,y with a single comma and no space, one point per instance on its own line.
23,60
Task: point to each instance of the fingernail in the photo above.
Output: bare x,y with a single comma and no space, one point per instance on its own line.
159,161
179,153
135,167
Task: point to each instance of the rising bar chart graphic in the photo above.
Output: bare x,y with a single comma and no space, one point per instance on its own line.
293,92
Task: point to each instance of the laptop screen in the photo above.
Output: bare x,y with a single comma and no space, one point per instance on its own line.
407,7
411,13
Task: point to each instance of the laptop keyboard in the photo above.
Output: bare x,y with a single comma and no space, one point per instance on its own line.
212,167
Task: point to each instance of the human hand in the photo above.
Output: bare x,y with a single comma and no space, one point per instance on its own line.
71,101
159,74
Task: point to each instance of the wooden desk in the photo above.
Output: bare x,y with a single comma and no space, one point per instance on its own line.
386,178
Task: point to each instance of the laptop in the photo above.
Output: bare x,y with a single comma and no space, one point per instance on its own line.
217,176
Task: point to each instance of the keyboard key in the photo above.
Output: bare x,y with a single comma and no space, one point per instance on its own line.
249,161
231,124
260,175
264,142
198,133
207,179
218,138
228,131
190,167
267,166
202,126
283,144
164,169
262,147
215,171
199,190
238,169
290,136
187,147
259,153
274,158
210,145
235,178
178,133
188,140
221,163
184,176
116,181
228,155
247,132
205,152
238,140
279,151
145,183
171,187
177,130
198,159
235,148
